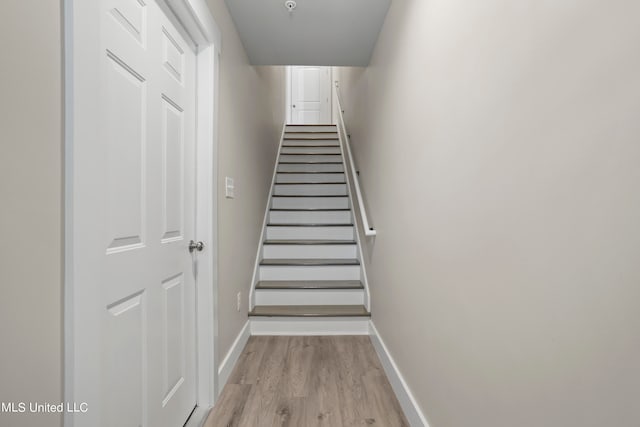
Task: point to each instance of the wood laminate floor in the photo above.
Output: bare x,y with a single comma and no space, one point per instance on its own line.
333,381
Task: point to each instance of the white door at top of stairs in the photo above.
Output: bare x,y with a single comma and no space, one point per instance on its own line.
134,211
310,95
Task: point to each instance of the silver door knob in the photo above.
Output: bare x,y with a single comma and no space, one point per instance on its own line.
196,246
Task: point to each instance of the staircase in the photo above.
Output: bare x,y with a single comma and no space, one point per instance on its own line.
309,278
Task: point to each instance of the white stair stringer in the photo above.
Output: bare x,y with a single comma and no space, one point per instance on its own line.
309,277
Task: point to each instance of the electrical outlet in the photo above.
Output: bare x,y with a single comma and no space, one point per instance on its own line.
238,298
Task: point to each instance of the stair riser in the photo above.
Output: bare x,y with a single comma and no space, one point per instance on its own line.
309,297
310,150
309,251
310,190
310,177
329,272
306,326
310,233
310,203
310,158
295,141
294,128
302,217
310,167
310,135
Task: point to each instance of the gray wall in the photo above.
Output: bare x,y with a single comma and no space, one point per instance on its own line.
251,108
31,208
498,144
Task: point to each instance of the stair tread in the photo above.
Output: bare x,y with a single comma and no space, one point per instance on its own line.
309,163
302,224
309,261
310,284
312,135
311,183
311,146
307,172
310,154
310,311
309,210
309,242
302,138
307,195
312,131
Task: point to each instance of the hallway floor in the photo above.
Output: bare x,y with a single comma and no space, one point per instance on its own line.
334,381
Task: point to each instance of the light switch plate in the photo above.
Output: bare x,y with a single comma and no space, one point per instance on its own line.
229,188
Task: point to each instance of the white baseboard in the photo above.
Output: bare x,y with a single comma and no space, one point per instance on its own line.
310,326
229,361
408,403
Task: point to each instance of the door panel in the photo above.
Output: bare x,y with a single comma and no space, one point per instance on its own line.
126,335
126,105
172,171
173,336
173,56
132,15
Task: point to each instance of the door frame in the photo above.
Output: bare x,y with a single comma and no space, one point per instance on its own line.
195,19
289,93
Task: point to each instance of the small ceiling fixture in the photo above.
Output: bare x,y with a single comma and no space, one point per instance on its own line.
290,5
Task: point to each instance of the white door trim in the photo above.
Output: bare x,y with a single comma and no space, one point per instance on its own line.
196,20
288,94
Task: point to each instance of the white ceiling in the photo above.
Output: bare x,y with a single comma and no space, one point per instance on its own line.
317,32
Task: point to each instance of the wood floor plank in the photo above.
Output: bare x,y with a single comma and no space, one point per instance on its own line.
367,357
262,403
388,411
298,367
252,414
247,368
290,412
272,366
323,406
350,387
230,406
308,381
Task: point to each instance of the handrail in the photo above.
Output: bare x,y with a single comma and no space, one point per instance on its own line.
368,230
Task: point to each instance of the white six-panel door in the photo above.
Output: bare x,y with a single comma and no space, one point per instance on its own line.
310,95
134,210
